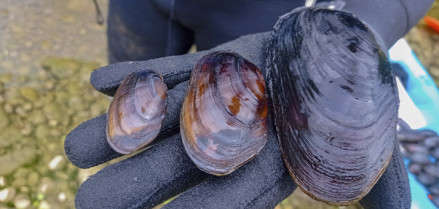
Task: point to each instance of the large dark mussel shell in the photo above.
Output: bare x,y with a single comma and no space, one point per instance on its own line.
223,119
334,102
137,111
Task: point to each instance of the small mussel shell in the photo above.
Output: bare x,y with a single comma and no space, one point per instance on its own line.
223,119
136,112
334,102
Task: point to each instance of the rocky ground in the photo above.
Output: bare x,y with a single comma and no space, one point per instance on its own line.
47,52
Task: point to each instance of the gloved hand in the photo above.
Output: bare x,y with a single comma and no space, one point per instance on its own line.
164,170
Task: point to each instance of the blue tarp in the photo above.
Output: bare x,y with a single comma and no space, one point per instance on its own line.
425,95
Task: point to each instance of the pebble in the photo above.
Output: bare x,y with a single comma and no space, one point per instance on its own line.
29,93
6,78
61,68
20,111
7,194
26,130
33,178
42,132
20,177
26,136
22,201
8,108
37,117
44,205
2,181
23,79
57,163
15,159
27,106
62,197
4,122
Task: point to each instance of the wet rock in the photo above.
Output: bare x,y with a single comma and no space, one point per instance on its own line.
23,79
49,85
62,97
22,201
15,159
26,130
4,121
6,78
11,135
20,177
8,108
2,181
37,117
42,132
61,68
7,194
27,106
29,93
33,178
53,111
44,205
21,112
57,163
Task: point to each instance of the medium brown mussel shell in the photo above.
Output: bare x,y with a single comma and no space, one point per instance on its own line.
334,102
137,111
223,119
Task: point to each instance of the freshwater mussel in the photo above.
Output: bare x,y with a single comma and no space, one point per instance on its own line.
223,118
334,102
137,111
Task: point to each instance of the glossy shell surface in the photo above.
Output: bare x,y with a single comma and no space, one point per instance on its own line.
334,102
223,119
136,112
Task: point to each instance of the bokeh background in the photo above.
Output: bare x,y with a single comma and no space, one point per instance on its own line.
47,51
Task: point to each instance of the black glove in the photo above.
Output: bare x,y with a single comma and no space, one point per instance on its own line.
164,170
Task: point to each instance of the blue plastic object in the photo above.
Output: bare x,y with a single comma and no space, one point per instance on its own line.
425,95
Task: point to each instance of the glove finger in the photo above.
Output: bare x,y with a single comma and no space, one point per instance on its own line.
142,181
175,69
86,146
261,183
393,189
